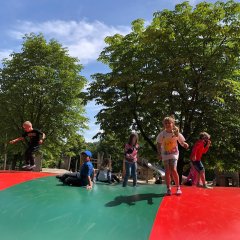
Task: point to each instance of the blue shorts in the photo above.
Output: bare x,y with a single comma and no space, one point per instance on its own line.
198,166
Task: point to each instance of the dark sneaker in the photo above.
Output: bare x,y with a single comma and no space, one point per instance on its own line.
59,177
169,192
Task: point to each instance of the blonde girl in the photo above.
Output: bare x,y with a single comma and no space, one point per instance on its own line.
167,147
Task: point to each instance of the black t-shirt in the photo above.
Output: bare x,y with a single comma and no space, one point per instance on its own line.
33,137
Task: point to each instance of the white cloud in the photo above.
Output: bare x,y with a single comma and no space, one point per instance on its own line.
84,40
4,53
93,107
91,132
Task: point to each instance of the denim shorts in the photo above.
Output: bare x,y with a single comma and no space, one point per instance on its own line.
198,166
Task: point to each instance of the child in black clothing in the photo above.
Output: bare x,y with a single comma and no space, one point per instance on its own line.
34,138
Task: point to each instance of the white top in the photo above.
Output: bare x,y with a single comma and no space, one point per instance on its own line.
103,175
169,145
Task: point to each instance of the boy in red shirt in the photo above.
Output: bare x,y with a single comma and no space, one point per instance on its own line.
200,148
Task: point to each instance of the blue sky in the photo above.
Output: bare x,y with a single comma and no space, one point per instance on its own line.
79,25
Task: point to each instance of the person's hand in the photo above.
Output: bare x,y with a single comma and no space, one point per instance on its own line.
209,143
89,187
193,158
129,156
40,141
12,141
185,145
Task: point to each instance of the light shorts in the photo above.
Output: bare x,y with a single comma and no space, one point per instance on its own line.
170,162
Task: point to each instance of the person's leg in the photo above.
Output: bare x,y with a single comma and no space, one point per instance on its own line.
167,176
115,178
74,181
201,172
173,167
127,174
66,175
27,156
198,179
134,173
173,170
202,177
33,150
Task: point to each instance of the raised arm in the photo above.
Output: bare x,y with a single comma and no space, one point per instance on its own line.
207,147
16,140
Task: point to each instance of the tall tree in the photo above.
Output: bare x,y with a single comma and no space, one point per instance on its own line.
42,84
184,63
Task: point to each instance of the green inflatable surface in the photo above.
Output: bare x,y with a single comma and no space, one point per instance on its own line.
44,209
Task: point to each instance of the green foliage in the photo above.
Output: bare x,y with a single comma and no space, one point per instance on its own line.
186,63
42,84
110,146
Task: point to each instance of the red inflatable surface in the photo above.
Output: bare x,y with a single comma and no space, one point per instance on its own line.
10,178
203,214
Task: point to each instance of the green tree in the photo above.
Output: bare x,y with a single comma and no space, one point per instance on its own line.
42,84
186,63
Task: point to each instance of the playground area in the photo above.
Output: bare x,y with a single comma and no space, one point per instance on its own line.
34,205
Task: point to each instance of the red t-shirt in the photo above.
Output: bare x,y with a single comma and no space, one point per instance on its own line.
198,150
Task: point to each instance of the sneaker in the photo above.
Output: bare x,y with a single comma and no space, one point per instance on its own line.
59,177
169,193
179,191
32,166
26,166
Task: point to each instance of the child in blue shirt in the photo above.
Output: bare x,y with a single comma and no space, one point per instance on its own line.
84,176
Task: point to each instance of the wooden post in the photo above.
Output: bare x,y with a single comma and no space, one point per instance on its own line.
38,162
76,163
69,163
98,160
5,156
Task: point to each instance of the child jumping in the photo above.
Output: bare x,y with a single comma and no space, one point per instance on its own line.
200,148
34,138
167,147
